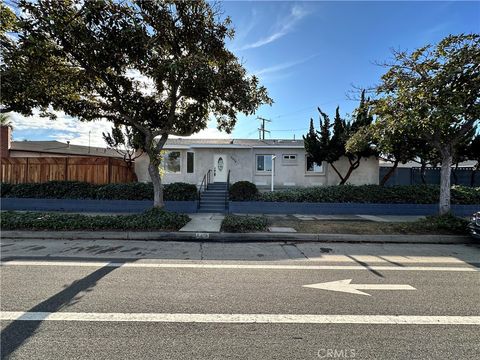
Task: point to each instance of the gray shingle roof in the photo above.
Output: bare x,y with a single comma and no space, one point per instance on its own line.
238,142
57,147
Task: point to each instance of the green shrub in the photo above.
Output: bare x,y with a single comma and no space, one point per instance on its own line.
83,190
447,222
243,191
54,190
5,188
154,219
128,191
409,194
237,223
465,195
180,192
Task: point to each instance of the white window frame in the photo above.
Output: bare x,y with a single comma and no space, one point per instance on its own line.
256,163
165,155
289,159
310,172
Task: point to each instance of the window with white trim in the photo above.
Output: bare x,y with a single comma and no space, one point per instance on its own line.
312,167
264,163
289,159
172,162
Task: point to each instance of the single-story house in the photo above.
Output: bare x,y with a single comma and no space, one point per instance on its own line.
41,161
188,160
53,148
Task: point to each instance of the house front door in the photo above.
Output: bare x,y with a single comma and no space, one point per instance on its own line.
220,168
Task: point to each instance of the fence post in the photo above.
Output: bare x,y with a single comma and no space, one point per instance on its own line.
26,172
109,170
66,169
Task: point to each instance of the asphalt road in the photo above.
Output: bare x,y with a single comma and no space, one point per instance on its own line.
224,308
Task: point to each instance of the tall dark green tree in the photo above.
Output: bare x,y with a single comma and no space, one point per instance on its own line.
330,145
161,67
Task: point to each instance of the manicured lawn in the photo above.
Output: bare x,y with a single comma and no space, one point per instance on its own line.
429,226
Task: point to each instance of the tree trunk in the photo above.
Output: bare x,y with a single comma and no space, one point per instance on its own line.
338,173
389,173
154,172
445,172
347,175
153,151
353,166
422,172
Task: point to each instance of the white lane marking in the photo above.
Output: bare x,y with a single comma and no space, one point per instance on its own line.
348,287
236,266
242,318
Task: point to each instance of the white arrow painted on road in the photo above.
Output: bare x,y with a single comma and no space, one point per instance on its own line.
346,286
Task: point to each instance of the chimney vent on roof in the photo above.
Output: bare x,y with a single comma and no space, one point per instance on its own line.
68,144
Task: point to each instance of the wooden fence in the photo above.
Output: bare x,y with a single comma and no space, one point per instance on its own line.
95,170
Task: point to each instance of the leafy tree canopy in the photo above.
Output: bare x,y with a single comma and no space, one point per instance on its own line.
160,67
436,89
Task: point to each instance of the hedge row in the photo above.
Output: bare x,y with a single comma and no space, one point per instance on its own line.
239,223
408,194
83,190
153,219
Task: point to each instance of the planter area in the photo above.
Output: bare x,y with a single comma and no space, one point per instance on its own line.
266,207
241,207
78,205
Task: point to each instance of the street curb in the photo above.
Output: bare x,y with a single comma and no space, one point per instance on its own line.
236,237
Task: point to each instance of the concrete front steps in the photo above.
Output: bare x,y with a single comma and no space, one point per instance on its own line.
212,200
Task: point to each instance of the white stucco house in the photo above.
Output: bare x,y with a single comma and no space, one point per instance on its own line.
188,160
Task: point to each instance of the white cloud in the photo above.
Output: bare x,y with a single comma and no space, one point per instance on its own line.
145,83
211,132
283,66
64,128
283,27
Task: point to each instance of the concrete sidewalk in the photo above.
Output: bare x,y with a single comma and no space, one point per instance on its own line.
204,222
346,217
258,251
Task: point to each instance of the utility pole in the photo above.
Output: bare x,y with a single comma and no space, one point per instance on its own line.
261,129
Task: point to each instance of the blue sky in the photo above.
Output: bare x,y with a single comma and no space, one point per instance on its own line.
307,54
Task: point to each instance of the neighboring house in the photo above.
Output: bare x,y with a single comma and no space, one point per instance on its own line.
41,161
413,164
11,148
188,160
410,173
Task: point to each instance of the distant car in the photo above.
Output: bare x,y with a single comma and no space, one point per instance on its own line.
474,226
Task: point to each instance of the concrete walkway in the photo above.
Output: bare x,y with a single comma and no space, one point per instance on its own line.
347,217
204,222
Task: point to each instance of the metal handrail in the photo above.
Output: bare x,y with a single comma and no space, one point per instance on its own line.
227,194
204,184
